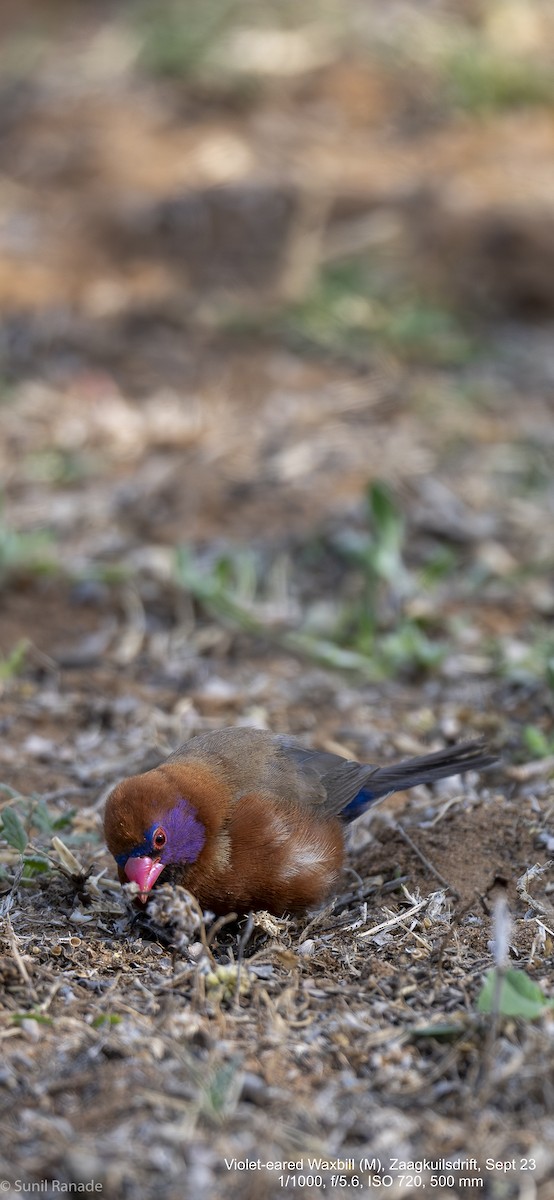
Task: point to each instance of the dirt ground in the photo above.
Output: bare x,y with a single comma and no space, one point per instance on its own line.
232,302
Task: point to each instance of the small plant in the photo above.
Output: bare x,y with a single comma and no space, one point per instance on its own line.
18,831
537,743
13,664
106,1020
24,553
512,994
13,830
377,623
221,1091
350,310
41,1018
378,552
177,40
373,634
480,80
527,661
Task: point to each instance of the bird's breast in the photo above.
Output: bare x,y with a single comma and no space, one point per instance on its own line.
270,855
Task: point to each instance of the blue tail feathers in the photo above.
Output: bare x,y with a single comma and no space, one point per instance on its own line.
358,805
426,768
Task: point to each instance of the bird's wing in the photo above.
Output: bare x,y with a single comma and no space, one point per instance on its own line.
342,781
253,760
325,781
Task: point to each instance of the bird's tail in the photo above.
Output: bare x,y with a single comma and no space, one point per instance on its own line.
427,768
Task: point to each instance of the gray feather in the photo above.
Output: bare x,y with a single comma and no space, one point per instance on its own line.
253,760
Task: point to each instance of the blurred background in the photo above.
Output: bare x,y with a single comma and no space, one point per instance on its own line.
276,448
276,285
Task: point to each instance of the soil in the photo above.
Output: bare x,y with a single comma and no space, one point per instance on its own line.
159,398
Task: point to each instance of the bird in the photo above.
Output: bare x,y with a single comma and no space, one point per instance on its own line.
246,820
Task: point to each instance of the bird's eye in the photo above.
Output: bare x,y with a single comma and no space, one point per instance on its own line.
159,839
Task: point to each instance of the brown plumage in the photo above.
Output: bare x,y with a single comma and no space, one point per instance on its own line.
246,820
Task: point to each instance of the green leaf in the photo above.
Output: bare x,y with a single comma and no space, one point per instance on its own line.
331,655
442,1033
65,820
13,830
519,995
221,1087
14,663
388,522
536,742
34,865
409,645
40,1018
106,1019
49,822
549,672
42,818
383,556
388,527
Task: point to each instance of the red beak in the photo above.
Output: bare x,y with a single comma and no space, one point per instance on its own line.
143,871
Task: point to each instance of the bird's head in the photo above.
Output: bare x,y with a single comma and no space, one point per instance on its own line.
151,821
